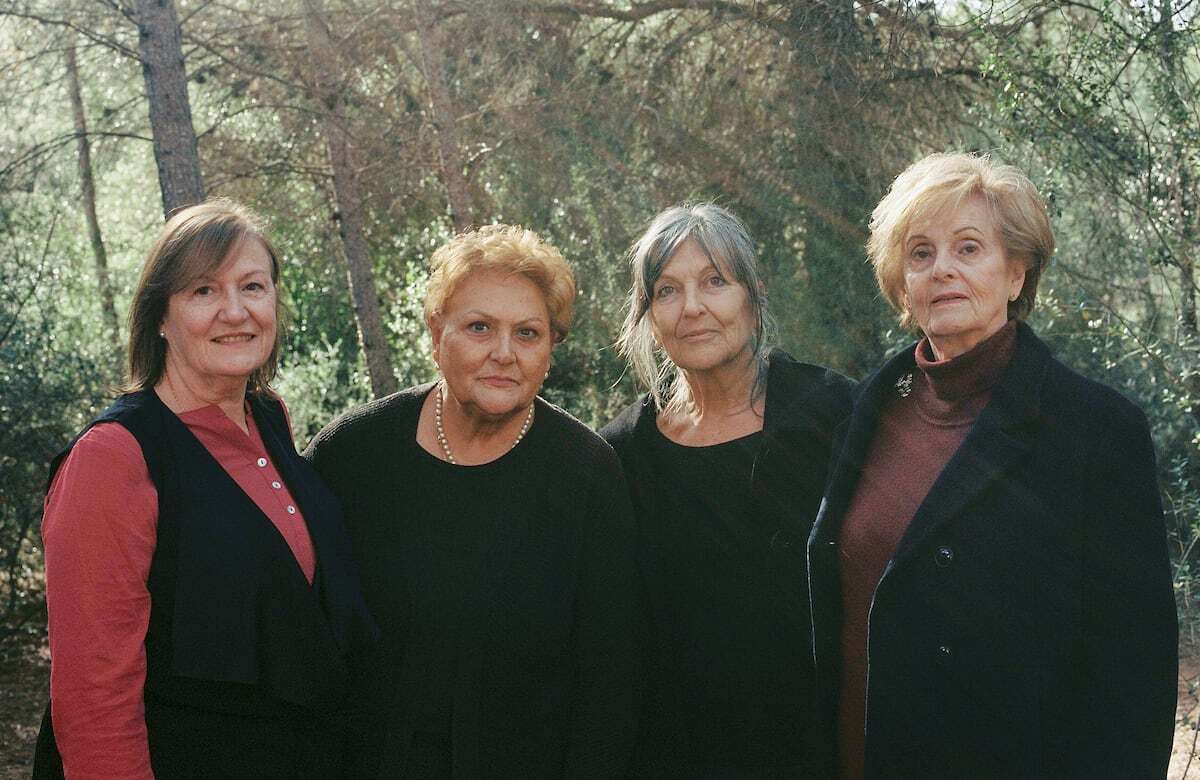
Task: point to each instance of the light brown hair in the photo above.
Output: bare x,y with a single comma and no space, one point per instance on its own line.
194,243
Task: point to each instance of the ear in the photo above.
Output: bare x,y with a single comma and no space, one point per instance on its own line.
1016,281
435,322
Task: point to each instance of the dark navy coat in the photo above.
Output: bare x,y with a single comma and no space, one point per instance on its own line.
1025,626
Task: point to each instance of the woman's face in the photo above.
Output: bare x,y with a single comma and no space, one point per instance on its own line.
492,342
700,315
958,278
220,328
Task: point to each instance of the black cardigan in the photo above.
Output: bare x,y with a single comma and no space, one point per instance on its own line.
804,404
548,671
1025,626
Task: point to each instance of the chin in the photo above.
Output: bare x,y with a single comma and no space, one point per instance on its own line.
508,403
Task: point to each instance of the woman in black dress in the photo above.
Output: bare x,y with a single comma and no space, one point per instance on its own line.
494,536
726,457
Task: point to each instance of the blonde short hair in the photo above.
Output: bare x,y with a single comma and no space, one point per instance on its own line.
946,180
508,248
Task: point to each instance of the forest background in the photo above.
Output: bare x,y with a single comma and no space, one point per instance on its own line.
368,132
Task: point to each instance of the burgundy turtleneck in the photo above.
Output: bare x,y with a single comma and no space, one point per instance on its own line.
917,435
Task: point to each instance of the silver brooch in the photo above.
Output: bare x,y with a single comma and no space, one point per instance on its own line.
904,385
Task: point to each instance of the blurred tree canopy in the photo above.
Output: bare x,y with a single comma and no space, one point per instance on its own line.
368,132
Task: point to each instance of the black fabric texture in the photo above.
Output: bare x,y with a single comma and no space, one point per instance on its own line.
721,534
1025,626
505,594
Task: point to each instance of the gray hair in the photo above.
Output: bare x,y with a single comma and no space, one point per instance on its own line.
727,244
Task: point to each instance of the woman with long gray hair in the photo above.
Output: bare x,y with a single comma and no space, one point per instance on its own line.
726,456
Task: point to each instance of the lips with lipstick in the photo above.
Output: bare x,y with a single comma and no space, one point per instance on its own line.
234,338
949,297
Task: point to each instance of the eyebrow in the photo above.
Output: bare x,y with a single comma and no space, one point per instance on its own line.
923,237
486,315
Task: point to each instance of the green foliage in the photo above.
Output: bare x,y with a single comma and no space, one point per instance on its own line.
53,375
582,124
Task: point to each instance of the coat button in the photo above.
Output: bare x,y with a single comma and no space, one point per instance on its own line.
944,651
944,556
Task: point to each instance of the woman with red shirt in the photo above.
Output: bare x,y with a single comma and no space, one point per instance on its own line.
201,599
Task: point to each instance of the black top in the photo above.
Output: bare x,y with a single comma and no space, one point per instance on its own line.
422,566
505,593
721,549
734,657
1025,626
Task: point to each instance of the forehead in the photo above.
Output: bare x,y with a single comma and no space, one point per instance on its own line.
246,255
497,293
690,259
952,215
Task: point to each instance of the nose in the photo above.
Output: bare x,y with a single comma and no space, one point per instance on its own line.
691,301
502,351
233,308
943,264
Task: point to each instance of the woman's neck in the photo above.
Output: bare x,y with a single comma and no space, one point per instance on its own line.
471,438
722,406
183,394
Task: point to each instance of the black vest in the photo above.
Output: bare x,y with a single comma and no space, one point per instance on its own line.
234,624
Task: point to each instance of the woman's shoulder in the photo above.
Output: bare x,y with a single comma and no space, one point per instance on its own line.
374,421
1087,402
108,441
105,456
796,374
569,441
620,429
797,389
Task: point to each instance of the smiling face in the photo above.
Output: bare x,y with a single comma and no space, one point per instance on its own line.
700,315
492,342
958,277
221,327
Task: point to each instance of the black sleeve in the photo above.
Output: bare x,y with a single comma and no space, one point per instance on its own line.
1130,632
321,453
605,693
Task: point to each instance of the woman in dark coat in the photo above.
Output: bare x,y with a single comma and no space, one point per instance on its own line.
726,467
989,574
202,601
493,531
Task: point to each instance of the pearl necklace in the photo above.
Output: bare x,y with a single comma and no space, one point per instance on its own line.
441,432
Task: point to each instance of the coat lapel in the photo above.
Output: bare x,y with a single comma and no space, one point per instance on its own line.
855,435
995,445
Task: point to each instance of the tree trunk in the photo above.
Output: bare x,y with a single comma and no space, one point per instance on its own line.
175,149
445,119
88,191
351,221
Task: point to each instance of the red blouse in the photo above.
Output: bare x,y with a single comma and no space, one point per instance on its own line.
99,532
